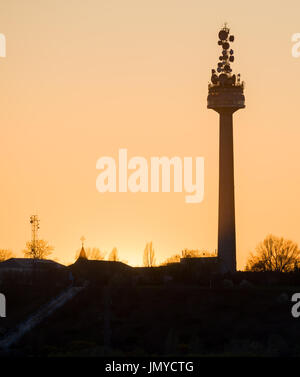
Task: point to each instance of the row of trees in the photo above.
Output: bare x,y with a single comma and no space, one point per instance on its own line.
40,250
94,253
187,253
272,254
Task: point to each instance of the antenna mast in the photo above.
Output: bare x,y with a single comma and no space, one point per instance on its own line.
35,226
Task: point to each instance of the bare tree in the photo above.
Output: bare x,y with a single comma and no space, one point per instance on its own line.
39,250
5,254
113,256
274,254
173,259
149,255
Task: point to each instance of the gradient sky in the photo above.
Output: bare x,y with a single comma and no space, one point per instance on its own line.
85,78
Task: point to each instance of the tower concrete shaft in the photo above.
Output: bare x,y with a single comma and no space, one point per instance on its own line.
225,96
226,221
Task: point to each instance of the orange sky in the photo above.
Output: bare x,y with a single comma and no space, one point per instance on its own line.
83,79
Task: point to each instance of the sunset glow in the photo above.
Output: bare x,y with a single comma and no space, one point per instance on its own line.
82,80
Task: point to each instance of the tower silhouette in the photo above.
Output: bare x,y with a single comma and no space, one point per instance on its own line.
35,226
225,96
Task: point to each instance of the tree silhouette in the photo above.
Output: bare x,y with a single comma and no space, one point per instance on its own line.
39,250
274,254
113,256
149,255
173,259
187,253
5,254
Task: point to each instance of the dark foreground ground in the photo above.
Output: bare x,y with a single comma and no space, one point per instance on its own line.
157,313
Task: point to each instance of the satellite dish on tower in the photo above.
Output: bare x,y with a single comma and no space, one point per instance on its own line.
223,78
214,79
223,34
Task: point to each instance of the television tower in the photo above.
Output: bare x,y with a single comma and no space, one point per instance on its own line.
225,96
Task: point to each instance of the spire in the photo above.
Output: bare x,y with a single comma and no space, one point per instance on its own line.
82,254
